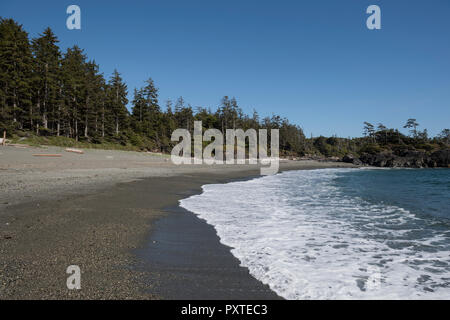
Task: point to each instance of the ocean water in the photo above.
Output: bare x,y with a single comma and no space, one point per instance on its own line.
338,233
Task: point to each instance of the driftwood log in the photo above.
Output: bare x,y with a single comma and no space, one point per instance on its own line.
47,155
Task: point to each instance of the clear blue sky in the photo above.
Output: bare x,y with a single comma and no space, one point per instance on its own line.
313,61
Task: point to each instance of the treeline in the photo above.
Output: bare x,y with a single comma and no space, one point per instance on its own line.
378,138
46,92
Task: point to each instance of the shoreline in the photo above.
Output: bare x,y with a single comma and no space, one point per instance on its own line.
181,244
188,261
101,228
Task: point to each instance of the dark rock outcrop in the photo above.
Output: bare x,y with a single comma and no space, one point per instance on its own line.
441,158
351,159
404,158
348,158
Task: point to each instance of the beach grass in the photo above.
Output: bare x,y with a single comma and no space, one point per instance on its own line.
38,141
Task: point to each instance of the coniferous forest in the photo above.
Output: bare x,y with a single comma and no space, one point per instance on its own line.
47,93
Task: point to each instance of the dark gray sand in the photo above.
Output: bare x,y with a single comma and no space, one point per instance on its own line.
188,262
109,234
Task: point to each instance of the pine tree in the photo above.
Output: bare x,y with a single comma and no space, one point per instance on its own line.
93,82
117,98
46,76
102,112
412,124
15,74
169,124
152,114
138,109
369,130
73,73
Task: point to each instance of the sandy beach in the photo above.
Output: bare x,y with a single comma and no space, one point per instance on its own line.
115,214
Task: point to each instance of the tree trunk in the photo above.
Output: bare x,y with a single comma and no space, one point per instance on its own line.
86,121
44,113
58,125
103,122
44,118
86,126
103,119
31,116
4,101
14,106
76,129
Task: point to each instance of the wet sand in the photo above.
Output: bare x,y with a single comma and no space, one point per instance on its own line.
187,260
127,234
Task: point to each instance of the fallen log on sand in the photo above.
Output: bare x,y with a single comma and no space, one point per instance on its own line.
15,145
47,155
74,150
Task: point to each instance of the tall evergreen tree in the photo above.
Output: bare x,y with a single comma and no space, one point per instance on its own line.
46,76
152,118
146,110
117,98
138,109
93,83
412,124
73,71
183,115
15,74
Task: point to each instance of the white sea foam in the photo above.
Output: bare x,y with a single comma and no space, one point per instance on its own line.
306,239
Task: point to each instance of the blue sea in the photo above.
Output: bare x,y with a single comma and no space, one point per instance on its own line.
338,233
